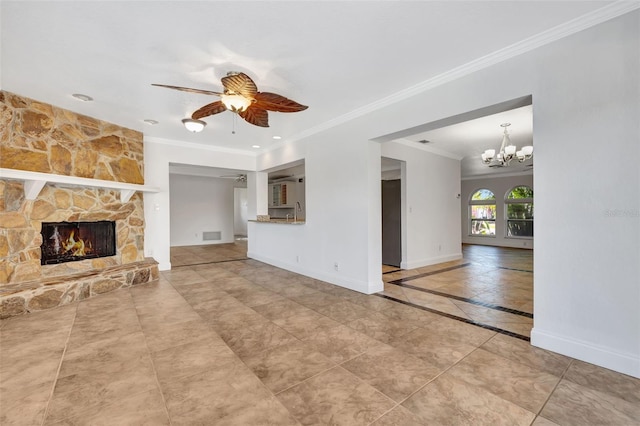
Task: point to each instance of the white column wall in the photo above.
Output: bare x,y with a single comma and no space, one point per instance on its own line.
343,217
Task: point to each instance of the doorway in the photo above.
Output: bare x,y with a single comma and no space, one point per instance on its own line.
240,213
392,222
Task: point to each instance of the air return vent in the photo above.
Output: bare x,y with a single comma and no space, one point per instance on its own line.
211,236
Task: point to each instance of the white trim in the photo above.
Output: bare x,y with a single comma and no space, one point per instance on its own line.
497,175
35,181
430,261
417,145
586,351
566,29
201,146
164,266
332,279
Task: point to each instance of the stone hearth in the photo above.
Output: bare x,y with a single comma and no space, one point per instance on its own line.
42,138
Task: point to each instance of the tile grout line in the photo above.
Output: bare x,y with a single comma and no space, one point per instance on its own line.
64,351
153,364
467,300
554,389
433,379
444,314
428,274
212,262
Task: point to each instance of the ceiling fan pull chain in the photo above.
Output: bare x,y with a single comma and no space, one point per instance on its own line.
233,131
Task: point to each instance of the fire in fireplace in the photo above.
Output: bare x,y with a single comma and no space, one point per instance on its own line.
71,241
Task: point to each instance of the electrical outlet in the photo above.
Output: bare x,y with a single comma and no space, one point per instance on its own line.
336,266
297,259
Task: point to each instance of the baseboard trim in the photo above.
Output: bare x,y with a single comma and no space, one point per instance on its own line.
164,266
585,351
430,261
355,285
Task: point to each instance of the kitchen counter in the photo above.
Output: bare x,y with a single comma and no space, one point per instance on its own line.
280,221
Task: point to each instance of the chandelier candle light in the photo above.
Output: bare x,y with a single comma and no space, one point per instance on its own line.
508,152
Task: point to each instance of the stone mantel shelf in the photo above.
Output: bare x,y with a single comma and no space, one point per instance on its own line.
35,181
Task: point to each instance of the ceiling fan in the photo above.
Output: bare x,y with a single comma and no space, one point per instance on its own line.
241,96
238,178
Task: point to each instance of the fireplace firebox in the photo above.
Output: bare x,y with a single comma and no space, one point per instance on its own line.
72,241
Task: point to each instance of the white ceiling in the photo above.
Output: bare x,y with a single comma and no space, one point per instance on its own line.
311,51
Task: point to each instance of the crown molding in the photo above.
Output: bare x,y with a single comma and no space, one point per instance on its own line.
498,175
427,148
199,146
566,29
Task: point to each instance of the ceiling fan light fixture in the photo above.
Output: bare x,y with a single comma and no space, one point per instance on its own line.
235,103
192,125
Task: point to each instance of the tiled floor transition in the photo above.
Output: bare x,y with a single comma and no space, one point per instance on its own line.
239,342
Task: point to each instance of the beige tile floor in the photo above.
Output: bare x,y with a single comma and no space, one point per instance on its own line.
243,343
476,288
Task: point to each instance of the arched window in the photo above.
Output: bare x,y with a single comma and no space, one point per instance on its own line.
482,213
519,212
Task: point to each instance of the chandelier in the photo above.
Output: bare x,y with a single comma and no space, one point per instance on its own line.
507,152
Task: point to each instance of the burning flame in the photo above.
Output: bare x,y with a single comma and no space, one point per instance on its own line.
70,245
75,247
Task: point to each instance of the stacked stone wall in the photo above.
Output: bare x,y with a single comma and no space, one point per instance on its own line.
38,137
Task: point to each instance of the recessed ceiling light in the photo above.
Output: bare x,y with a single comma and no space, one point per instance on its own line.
81,97
277,137
255,146
150,121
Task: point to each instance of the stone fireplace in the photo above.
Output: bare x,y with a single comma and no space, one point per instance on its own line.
58,167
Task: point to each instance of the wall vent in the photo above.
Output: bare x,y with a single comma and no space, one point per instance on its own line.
212,236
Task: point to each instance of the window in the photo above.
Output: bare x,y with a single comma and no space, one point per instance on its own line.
519,207
482,213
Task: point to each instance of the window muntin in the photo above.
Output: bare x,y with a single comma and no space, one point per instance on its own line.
519,212
482,213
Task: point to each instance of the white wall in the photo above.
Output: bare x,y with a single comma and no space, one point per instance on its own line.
499,186
340,227
430,205
200,204
585,91
586,104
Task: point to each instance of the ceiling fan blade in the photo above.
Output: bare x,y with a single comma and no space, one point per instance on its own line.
275,102
188,89
256,116
209,109
240,84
